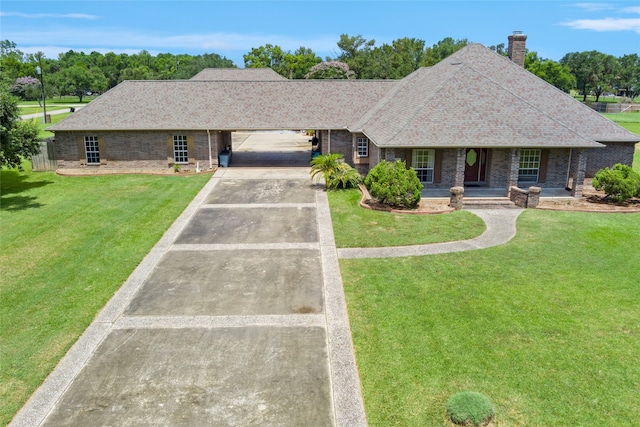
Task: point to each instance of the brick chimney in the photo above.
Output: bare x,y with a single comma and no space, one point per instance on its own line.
517,44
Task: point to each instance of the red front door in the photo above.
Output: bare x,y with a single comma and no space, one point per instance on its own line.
475,169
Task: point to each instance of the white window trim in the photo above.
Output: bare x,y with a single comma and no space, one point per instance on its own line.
362,147
529,176
429,167
180,152
92,149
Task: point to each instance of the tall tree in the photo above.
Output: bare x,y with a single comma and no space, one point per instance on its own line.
267,56
594,71
300,62
629,79
79,80
441,50
355,52
18,138
550,71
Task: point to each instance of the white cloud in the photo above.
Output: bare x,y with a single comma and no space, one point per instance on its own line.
594,7
605,24
50,15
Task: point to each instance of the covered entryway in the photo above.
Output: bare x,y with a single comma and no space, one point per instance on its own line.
278,148
475,166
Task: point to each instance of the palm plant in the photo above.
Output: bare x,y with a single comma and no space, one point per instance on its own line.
344,176
324,165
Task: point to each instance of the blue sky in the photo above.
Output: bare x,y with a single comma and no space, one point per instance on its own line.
232,28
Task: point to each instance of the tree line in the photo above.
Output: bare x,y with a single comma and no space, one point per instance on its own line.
78,73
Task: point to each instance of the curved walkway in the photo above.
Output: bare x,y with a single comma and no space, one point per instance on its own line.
501,227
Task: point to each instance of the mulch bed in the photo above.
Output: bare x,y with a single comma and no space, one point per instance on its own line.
592,201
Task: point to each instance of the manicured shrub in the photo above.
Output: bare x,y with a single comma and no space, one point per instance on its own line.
619,184
392,184
469,408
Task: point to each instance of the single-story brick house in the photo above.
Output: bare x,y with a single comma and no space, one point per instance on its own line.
474,119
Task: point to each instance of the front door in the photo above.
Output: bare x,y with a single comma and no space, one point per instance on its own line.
475,166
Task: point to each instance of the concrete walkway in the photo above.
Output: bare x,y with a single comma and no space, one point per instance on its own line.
236,317
501,227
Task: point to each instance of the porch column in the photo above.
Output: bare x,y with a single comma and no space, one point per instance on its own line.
581,168
460,164
514,167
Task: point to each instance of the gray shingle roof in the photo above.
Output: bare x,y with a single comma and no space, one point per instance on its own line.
238,74
473,98
228,105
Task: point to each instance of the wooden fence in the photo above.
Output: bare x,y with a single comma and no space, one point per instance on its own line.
46,160
613,107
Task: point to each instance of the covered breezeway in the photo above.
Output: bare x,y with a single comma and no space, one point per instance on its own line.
277,148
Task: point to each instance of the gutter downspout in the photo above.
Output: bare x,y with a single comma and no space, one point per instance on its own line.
329,143
566,187
210,158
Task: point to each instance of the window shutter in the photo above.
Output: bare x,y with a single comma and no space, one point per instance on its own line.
191,150
82,156
437,167
103,152
170,150
542,172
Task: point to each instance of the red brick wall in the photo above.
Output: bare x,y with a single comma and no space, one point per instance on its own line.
136,149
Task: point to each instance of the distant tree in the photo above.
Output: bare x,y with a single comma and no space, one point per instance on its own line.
354,51
18,138
380,63
594,71
12,62
408,55
441,50
629,79
499,49
298,64
330,70
550,71
267,56
79,80
27,88
395,61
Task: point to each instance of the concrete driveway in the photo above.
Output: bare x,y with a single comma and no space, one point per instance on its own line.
236,317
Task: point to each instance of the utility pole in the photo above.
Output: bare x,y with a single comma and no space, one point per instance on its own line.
41,74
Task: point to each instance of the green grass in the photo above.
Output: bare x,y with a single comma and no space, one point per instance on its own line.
629,121
54,119
546,326
67,244
355,227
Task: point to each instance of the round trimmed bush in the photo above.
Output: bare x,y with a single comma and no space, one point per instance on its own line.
469,408
619,183
392,184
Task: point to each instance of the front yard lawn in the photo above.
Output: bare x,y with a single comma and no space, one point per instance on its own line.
67,244
547,326
356,227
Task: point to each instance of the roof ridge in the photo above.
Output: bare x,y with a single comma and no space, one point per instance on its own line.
380,104
423,104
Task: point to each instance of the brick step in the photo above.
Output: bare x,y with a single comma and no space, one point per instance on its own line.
489,202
